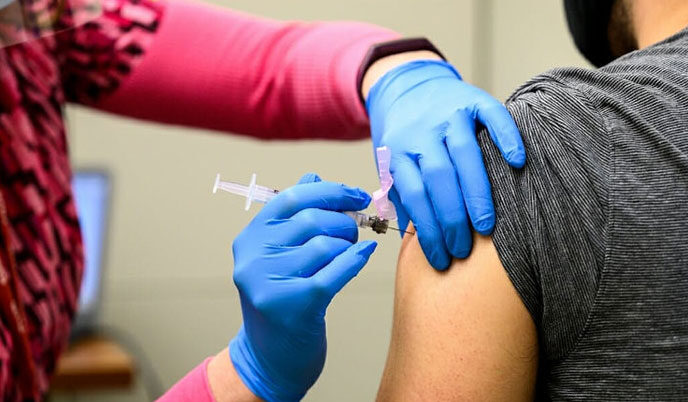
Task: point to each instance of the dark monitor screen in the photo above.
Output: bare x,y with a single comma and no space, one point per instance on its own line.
92,193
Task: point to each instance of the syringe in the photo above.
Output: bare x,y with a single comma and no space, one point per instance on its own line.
262,194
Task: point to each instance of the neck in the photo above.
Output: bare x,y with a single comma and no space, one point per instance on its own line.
656,20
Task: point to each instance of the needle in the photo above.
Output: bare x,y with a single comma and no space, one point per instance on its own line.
399,230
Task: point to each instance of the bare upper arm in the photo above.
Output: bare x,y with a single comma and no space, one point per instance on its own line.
462,334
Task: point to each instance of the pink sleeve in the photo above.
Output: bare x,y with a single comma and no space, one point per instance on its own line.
194,387
208,67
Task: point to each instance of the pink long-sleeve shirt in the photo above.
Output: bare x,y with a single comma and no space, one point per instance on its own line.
209,67
168,61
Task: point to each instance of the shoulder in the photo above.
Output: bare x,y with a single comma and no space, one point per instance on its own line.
616,95
552,214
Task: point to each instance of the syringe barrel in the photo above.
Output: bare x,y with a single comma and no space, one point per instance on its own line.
376,224
360,218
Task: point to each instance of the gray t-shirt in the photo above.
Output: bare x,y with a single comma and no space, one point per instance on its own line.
593,232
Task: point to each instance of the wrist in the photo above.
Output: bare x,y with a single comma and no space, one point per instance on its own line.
382,66
394,52
260,381
225,383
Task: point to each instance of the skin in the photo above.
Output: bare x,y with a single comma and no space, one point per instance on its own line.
381,66
622,39
655,20
458,335
464,334
225,383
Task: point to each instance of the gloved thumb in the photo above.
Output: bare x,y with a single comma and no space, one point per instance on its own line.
343,268
309,178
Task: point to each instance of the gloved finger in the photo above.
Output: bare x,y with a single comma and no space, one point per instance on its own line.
322,195
409,184
343,268
442,186
309,178
465,152
308,223
306,260
402,216
503,130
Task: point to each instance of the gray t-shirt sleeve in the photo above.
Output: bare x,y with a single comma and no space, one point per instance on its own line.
551,215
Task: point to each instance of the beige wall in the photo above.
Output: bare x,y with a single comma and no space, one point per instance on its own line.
168,278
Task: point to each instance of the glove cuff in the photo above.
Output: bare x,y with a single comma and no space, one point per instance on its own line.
384,49
246,366
399,80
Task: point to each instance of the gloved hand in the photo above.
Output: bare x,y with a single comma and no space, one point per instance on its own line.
290,261
426,115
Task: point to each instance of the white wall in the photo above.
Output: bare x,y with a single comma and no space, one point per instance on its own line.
168,279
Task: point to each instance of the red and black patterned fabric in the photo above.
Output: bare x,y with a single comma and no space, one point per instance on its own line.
43,235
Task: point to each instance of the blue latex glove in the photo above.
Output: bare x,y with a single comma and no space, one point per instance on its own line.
427,115
290,261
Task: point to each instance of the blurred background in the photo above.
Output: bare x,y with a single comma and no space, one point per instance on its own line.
167,262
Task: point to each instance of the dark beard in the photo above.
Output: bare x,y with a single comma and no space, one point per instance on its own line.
622,40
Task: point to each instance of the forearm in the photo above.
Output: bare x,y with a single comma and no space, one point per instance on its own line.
218,69
225,382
